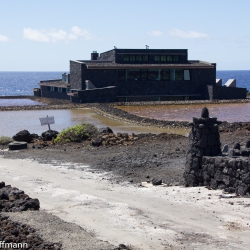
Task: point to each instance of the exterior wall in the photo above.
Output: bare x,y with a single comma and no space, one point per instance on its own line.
37,92
116,55
199,79
53,94
76,75
109,56
218,92
96,95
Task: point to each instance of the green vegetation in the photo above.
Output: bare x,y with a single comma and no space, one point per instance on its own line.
76,133
4,140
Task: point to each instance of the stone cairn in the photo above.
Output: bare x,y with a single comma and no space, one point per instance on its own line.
204,140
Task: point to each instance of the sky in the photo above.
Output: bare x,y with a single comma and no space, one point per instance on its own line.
44,35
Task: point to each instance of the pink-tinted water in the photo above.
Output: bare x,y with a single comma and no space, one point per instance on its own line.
224,112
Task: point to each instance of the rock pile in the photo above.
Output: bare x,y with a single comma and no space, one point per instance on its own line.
110,139
14,233
14,200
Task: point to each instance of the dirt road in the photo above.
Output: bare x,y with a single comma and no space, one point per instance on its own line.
142,217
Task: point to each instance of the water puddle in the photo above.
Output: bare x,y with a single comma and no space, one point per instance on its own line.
14,121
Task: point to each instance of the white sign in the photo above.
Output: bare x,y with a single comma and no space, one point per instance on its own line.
47,120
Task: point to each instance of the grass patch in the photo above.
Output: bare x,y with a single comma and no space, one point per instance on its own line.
4,140
77,133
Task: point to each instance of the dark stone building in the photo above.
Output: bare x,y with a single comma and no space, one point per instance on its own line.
139,75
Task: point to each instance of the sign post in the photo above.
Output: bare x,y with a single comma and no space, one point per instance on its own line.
47,121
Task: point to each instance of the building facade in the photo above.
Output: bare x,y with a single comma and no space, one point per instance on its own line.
138,75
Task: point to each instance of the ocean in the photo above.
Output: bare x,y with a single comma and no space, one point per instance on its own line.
22,83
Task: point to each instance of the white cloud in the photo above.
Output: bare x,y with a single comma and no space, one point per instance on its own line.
77,32
187,34
4,38
155,33
54,36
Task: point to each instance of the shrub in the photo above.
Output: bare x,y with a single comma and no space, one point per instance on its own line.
76,133
4,140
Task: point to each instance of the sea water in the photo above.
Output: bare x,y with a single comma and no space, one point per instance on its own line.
22,83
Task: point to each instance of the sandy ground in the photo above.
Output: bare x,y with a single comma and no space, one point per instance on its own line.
152,217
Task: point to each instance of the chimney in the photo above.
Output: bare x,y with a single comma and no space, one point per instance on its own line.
94,55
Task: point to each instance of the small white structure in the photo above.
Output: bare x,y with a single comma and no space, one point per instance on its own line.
218,82
89,85
231,83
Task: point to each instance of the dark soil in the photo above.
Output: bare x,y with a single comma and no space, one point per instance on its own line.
13,232
150,156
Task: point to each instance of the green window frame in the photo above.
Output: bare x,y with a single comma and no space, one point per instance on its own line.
163,58
138,58
132,58
156,58
126,58
169,58
145,58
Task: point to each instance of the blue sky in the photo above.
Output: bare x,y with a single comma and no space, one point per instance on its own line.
43,35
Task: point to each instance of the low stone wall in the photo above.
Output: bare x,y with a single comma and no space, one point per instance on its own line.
221,92
223,172
187,102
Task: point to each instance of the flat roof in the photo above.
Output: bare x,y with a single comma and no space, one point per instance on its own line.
58,84
96,64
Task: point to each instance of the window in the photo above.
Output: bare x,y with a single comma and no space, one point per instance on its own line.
163,58
59,89
51,88
55,89
48,88
186,75
145,58
121,75
144,74
172,74
63,90
176,58
133,75
156,58
165,75
126,58
154,75
132,58
138,58
169,58
179,74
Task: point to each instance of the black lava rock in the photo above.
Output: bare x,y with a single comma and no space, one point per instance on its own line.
24,136
156,181
204,113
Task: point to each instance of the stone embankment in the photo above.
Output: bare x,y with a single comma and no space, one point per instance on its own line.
121,115
188,102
